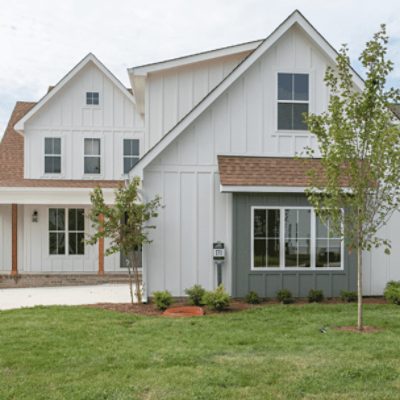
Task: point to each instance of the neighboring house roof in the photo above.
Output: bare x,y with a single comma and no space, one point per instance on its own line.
280,172
295,18
19,126
12,159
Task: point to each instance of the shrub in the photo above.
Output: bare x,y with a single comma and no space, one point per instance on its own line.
196,294
348,296
162,299
285,296
315,296
392,292
217,299
253,298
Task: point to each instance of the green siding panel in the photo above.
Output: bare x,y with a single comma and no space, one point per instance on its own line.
267,283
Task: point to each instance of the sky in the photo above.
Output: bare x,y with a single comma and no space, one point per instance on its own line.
41,40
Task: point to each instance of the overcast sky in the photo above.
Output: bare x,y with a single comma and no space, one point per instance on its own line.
41,40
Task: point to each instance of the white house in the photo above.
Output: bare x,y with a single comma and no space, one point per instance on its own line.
215,135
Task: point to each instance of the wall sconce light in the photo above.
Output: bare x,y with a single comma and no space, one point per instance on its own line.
35,216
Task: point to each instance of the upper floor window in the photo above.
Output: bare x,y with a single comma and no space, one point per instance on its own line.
52,155
131,154
92,156
293,98
92,98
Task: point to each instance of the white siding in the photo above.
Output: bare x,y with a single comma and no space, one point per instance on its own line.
185,174
5,238
379,268
36,257
67,116
172,94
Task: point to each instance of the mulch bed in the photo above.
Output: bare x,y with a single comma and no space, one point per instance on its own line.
235,306
367,329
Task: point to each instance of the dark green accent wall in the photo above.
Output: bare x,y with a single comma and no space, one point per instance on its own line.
267,283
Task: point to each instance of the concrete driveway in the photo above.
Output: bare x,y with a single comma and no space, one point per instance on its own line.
65,295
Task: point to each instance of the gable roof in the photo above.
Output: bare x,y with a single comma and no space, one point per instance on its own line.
12,159
295,18
90,58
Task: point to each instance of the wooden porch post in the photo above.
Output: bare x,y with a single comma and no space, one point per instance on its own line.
101,248
14,240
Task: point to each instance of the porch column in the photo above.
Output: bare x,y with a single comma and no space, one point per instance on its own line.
14,240
101,248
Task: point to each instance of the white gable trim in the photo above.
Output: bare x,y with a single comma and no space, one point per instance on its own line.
19,126
143,70
295,18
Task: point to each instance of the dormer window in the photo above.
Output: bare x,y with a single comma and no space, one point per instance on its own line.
52,155
293,98
92,98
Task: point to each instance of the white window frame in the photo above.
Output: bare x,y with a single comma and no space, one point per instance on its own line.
55,174
313,241
66,232
293,71
91,174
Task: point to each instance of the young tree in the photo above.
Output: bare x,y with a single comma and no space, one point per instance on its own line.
126,224
359,142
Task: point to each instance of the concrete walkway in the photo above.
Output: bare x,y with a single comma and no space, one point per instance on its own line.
65,295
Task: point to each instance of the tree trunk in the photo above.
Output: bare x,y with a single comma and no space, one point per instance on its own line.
130,280
137,281
360,323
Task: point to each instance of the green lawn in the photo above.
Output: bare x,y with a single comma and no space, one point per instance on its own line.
273,352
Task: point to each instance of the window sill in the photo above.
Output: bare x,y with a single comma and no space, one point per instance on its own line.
341,269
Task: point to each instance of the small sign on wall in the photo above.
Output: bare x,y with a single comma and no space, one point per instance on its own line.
218,251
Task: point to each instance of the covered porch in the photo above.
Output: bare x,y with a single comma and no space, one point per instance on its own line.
42,231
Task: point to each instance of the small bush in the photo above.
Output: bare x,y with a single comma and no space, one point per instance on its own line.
348,296
315,296
392,292
217,299
196,294
285,296
162,299
253,298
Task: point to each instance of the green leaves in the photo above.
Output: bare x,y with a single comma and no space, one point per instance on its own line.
126,223
360,148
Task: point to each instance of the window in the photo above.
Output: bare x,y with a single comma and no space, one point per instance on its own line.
92,98
266,227
60,237
293,90
289,238
329,249
52,155
92,156
56,231
76,231
297,238
131,154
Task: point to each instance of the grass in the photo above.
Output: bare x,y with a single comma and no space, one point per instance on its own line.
273,352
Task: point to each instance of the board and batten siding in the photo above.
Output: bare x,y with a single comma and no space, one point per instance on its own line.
379,268
185,174
171,94
267,283
5,238
67,116
36,257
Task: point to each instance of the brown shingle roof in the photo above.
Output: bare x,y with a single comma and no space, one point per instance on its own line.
266,171
12,160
